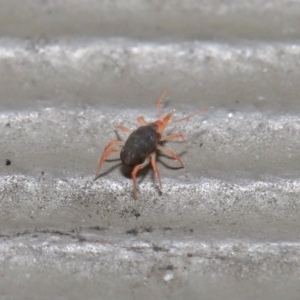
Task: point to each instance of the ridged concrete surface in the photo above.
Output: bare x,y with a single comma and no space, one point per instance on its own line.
226,226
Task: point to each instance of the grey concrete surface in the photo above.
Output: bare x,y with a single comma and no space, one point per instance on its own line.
226,226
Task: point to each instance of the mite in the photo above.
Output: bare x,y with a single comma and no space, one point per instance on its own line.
142,145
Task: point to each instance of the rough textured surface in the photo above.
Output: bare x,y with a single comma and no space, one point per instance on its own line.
226,226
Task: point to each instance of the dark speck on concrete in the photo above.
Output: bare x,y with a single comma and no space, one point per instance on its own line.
137,214
99,228
157,248
7,162
167,228
132,231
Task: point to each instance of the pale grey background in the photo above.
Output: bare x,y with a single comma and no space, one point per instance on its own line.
226,226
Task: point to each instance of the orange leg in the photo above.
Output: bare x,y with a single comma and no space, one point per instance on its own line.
171,154
124,128
172,137
158,105
104,156
189,116
141,121
134,172
156,171
115,142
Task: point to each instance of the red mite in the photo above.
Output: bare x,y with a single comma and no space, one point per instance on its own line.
143,143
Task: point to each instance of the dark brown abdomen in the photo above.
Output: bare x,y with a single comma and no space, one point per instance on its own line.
139,145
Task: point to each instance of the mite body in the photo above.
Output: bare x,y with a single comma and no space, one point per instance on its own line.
141,146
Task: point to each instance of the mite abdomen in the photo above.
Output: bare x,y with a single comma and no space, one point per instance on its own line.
141,143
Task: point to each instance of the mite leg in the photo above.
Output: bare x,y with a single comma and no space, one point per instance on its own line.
103,157
124,128
156,171
189,116
171,154
115,142
134,172
141,121
172,137
158,105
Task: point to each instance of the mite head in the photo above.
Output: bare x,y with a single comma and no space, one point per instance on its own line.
163,123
